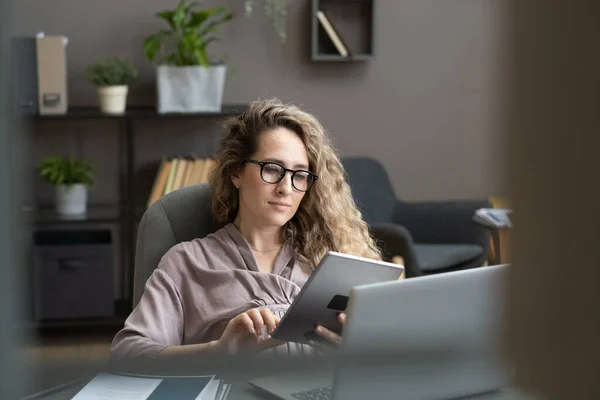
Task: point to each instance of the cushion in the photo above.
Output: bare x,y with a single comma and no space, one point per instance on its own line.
435,257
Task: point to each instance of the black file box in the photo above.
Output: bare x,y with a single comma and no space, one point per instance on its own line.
73,274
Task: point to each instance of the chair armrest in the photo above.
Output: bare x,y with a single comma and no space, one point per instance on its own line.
396,240
443,222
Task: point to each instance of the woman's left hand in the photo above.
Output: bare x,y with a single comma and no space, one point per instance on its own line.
331,337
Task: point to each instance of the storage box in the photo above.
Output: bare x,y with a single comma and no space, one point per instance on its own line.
73,274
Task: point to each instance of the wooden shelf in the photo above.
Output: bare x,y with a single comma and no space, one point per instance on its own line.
353,21
338,58
127,213
138,112
94,214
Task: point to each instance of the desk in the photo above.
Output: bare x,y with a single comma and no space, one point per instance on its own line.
239,369
243,390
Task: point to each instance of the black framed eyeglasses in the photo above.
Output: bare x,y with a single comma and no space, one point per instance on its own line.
272,172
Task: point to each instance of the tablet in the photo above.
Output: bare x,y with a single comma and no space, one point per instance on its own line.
326,292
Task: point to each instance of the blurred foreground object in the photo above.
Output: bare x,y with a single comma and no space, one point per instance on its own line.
554,128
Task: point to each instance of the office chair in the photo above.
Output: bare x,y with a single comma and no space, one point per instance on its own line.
179,216
182,215
432,237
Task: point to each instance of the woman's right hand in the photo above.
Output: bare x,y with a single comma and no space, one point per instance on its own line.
246,332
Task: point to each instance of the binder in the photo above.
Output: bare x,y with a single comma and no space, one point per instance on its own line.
51,75
24,75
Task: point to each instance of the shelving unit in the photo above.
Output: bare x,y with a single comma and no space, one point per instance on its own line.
354,23
127,213
95,214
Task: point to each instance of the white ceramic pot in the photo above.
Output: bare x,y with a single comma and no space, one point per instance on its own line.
113,99
71,199
190,89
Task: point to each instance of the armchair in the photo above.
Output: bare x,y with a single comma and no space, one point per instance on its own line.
182,215
432,237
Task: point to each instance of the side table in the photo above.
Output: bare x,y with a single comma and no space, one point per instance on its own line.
500,241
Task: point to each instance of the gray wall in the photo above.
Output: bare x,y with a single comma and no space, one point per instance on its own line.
427,106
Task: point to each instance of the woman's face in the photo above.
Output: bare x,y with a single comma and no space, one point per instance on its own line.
271,204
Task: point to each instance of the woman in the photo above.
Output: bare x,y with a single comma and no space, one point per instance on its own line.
279,191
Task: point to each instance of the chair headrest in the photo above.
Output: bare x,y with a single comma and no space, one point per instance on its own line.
182,215
371,188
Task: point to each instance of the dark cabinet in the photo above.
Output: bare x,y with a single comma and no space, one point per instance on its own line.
73,274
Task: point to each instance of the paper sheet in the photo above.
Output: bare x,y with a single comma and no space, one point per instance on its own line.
116,387
210,391
225,393
106,386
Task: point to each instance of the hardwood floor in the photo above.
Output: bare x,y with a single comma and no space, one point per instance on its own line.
54,360
72,349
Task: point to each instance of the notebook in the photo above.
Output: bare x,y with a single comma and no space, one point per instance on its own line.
107,386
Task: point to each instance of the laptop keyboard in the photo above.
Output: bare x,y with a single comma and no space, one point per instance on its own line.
323,393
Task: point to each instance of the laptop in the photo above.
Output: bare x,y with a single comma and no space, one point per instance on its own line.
425,338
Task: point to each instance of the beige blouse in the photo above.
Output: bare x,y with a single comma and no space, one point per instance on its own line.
199,286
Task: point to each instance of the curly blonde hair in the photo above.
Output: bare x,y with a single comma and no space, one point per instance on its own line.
327,218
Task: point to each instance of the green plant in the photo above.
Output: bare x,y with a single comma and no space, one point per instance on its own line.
61,170
112,71
191,31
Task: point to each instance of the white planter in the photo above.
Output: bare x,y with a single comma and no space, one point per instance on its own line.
190,89
71,199
113,99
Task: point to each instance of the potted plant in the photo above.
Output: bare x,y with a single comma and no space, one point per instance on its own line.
71,178
112,77
188,80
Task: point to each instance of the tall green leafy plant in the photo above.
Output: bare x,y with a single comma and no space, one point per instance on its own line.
61,170
191,30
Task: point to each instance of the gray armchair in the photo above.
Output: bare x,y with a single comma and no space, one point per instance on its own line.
432,237
179,216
